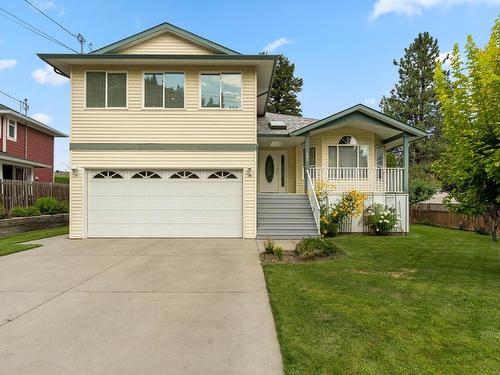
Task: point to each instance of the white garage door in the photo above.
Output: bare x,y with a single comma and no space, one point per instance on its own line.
168,203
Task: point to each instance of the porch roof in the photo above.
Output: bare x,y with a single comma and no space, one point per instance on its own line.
389,129
20,162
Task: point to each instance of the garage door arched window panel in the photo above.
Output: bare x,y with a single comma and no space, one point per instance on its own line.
223,174
184,175
146,174
107,174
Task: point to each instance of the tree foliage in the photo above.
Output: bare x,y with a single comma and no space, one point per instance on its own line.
413,99
283,96
470,104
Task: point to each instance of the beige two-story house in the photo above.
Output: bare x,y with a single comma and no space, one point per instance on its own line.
170,138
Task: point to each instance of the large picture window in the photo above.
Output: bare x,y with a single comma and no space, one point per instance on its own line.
164,90
347,155
221,90
106,89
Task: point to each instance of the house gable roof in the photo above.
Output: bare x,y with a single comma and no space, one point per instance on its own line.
31,122
159,29
367,114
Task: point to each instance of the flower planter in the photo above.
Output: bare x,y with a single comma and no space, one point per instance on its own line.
17,225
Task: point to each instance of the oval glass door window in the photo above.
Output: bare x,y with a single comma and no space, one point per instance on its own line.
269,168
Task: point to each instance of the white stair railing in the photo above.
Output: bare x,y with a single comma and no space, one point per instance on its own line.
313,200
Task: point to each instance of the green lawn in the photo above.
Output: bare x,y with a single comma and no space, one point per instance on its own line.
428,303
11,244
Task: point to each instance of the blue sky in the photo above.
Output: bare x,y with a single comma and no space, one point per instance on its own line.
342,49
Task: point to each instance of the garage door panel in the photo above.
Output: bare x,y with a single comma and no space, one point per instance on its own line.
164,207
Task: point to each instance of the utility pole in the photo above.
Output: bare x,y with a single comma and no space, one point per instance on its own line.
24,106
81,40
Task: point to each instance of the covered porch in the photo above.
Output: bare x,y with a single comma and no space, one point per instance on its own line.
18,169
347,149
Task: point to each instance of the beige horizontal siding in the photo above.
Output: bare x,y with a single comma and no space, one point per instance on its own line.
164,160
167,44
136,124
331,138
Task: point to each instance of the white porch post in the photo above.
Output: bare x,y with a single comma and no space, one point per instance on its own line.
306,161
406,162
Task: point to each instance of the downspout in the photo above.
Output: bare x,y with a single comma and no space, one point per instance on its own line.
4,133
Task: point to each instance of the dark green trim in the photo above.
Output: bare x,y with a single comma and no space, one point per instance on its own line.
163,146
272,135
165,26
381,118
392,139
74,56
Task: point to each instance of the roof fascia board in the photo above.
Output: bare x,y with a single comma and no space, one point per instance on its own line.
384,120
75,56
32,123
122,43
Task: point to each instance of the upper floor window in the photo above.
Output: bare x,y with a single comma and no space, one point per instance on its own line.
12,130
106,89
221,90
164,90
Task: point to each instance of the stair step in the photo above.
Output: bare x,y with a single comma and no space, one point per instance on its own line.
280,215
287,221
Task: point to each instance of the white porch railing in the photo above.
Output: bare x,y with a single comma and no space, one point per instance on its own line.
386,180
313,200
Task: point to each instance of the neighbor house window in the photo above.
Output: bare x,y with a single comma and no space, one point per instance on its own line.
221,90
106,90
12,130
164,90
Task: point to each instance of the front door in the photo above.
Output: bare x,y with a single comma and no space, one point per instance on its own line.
273,171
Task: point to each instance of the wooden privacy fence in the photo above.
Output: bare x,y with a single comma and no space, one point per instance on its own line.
24,193
439,216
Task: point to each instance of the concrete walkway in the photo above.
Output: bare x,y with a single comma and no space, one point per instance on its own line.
136,306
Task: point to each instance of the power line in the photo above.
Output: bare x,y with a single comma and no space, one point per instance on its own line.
79,37
33,29
50,18
23,104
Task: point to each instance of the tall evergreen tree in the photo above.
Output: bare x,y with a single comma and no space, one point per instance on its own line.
283,96
413,99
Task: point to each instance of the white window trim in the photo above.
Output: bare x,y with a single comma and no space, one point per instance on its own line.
105,89
143,99
357,146
220,91
14,138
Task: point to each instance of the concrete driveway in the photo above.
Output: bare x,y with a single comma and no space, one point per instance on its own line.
136,306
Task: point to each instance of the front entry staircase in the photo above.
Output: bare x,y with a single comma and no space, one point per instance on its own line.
285,216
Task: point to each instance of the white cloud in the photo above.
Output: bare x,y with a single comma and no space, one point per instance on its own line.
7,63
416,7
275,44
42,117
48,76
370,102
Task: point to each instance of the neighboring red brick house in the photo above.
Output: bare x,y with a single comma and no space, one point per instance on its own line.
27,147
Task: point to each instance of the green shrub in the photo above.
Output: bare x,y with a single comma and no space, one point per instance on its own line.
63,207
269,246
328,226
47,205
25,211
310,248
3,214
380,219
278,251
61,179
